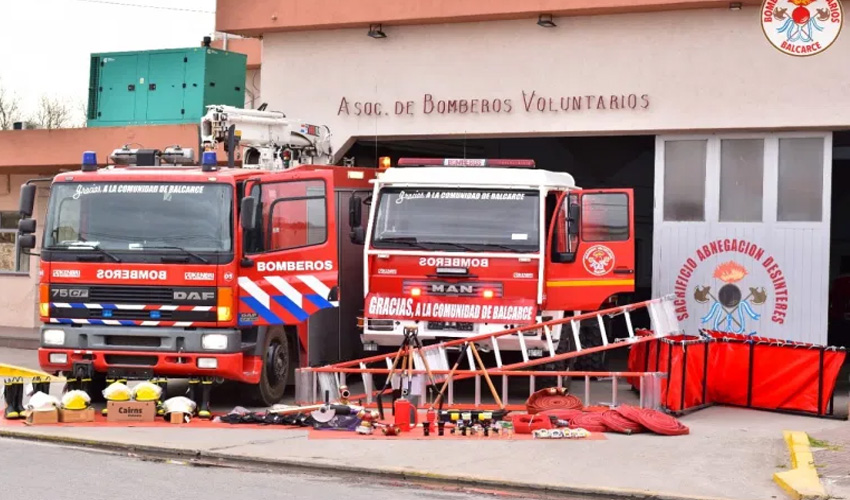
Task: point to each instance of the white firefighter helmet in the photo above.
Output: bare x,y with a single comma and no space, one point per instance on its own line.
179,404
42,401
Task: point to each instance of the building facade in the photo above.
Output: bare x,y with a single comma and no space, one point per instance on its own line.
730,142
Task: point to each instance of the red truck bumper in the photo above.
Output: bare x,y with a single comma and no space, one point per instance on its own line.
236,366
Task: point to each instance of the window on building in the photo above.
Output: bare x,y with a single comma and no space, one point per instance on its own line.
800,193
741,180
605,217
684,180
298,219
11,257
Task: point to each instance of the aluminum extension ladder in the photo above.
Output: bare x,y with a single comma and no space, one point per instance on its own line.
312,384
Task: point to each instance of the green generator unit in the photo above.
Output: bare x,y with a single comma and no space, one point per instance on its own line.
163,86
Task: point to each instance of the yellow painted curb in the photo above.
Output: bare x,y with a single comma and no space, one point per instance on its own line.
10,371
802,481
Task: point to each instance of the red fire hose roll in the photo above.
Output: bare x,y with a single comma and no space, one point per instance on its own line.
661,423
615,421
552,399
589,421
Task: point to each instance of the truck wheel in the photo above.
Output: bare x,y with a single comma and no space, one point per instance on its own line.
275,372
590,336
564,345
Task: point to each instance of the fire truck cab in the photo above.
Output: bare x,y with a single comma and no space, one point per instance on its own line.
198,271
459,247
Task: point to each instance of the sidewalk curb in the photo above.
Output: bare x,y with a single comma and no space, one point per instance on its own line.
391,473
802,481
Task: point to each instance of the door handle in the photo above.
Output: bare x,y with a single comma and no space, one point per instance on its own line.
623,270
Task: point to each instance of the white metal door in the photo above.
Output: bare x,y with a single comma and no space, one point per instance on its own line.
741,232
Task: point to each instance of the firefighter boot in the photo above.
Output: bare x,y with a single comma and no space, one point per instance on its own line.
162,383
18,402
194,392
204,406
105,411
11,412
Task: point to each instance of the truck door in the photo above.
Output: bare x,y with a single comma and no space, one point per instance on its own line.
591,252
289,271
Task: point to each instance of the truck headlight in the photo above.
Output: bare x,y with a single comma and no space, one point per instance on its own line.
214,342
53,337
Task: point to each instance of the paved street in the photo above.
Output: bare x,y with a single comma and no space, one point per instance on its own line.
80,474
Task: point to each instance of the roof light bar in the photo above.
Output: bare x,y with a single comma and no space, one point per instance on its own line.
463,162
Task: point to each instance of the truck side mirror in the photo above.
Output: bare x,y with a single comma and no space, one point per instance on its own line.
573,219
27,204
355,212
248,213
26,241
572,229
26,226
355,220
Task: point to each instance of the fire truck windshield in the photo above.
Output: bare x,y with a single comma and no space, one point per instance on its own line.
457,219
140,216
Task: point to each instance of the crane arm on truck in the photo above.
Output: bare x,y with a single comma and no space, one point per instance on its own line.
271,141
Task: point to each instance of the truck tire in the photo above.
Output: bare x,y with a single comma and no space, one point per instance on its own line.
590,336
274,377
564,345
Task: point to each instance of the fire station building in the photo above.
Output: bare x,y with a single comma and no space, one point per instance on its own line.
730,120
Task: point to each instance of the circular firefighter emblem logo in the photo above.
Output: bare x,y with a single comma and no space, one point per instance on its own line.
802,27
598,260
228,277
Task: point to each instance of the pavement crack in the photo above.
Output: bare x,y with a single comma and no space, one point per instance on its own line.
248,443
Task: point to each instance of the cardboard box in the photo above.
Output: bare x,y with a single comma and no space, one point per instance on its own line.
42,417
178,418
76,416
130,411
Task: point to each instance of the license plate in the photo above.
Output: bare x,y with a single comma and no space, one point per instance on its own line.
450,325
535,353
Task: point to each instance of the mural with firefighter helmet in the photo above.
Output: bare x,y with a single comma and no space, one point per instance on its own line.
732,286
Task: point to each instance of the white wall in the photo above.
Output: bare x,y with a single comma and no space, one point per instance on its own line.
701,69
253,99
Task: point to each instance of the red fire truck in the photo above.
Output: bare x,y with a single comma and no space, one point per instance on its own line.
459,247
152,270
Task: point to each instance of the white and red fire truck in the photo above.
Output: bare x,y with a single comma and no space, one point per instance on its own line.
459,247
150,269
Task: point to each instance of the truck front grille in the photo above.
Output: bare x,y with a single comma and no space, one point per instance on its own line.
132,341
130,360
131,295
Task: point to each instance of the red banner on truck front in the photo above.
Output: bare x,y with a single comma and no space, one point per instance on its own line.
467,309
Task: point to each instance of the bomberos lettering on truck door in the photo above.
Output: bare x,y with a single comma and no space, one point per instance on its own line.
299,266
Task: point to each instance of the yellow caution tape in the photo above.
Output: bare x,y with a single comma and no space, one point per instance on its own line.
10,371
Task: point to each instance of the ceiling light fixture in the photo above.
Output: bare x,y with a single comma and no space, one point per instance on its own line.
545,20
375,31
